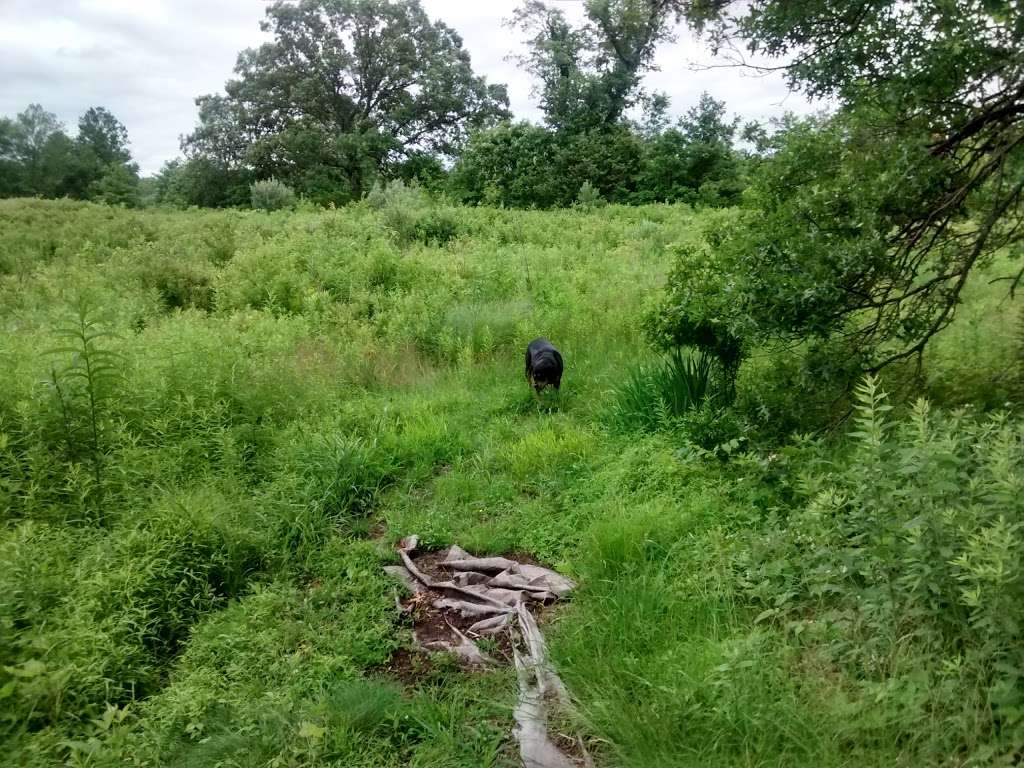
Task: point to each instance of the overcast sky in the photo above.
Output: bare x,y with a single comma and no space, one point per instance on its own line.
147,60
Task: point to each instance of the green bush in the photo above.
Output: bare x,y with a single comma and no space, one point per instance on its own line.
37,232
36,574
680,168
119,185
203,182
411,216
903,569
714,429
271,195
516,164
269,276
802,389
396,194
608,158
588,197
697,296
128,604
437,227
181,284
529,166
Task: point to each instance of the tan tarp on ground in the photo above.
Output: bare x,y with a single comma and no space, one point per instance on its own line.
497,592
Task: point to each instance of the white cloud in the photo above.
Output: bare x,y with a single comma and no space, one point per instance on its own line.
147,60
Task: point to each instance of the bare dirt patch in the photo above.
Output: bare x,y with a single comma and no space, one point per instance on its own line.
408,666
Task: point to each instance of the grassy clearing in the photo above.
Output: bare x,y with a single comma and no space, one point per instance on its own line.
194,581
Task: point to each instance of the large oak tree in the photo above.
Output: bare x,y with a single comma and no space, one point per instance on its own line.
345,90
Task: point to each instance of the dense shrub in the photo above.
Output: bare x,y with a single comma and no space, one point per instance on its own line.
903,569
423,169
126,606
37,232
528,166
203,182
516,164
182,284
267,276
677,168
588,196
801,389
271,195
412,216
697,297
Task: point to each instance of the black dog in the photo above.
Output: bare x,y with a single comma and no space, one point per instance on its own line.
543,364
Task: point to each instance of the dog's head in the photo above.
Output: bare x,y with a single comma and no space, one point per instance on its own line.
546,372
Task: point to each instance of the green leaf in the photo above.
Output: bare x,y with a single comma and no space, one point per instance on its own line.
309,730
31,668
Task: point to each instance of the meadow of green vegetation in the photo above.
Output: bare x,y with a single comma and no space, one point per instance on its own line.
215,424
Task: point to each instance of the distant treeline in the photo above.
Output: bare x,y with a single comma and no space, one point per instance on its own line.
524,165
350,93
39,159
515,164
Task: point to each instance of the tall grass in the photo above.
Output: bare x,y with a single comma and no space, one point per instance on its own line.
659,395
293,391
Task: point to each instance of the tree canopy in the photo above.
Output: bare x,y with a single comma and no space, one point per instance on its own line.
588,76
866,226
694,159
347,89
104,136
